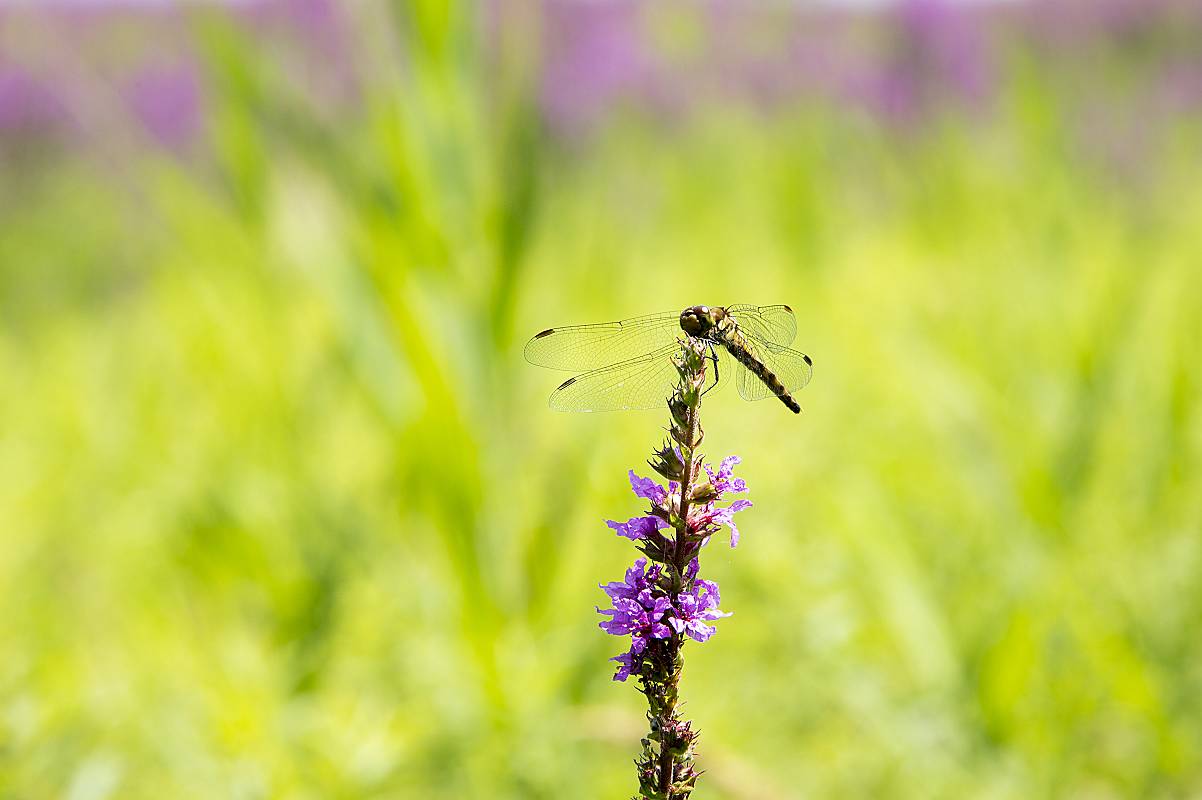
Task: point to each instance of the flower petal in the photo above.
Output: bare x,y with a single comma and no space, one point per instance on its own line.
647,489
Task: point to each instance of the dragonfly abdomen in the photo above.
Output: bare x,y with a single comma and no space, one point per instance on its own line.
758,369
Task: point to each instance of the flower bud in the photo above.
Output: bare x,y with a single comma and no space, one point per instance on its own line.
680,411
668,463
703,493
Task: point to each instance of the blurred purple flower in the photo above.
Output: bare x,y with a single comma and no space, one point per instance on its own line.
318,20
946,40
600,54
27,103
167,101
594,55
937,55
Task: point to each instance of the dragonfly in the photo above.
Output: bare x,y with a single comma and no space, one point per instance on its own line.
627,364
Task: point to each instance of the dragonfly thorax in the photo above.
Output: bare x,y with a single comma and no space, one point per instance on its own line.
703,322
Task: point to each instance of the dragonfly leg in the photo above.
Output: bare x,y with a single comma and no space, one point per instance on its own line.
714,358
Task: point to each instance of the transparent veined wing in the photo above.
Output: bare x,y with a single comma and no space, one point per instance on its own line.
644,382
585,347
775,324
794,369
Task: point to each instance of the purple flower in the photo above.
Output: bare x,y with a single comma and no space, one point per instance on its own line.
724,481
638,579
642,527
629,665
167,100
638,527
595,57
695,608
27,102
690,572
725,516
639,608
648,489
710,515
638,616
636,612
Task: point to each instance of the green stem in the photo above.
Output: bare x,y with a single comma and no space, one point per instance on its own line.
679,562
666,773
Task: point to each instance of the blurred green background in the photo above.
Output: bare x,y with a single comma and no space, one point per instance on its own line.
285,513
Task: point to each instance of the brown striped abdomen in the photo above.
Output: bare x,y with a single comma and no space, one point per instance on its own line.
766,375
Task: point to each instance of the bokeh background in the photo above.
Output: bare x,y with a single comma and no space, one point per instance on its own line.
285,513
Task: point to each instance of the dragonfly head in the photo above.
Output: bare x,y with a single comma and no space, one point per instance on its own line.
700,320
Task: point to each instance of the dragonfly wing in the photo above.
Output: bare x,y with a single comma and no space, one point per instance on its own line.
587,347
644,382
794,369
775,324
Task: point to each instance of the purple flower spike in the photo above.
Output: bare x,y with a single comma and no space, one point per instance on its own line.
661,603
693,609
637,528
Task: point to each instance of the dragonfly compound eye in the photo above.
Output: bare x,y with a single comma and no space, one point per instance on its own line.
691,322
